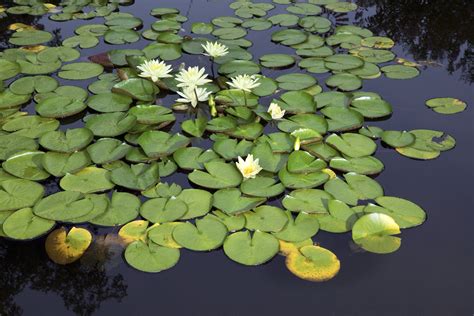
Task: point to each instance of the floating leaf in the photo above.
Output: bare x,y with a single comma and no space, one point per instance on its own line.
374,232
133,231
446,105
218,175
208,234
232,202
66,247
80,71
313,263
251,250
88,180
150,257
23,224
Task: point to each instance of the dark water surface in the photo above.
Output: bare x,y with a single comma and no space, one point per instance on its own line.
431,274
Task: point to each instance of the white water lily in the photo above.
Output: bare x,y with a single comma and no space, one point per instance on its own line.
249,168
215,49
193,96
244,82
154,69
192,77
275,111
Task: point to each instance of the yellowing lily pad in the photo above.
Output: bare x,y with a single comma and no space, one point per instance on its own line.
66,247
313,263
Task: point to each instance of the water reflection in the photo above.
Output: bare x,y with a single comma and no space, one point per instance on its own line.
82,287
431,30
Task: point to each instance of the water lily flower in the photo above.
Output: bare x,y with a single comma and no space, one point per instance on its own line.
275,111
249,168
193,96
215,49
155,70
192,77
244,82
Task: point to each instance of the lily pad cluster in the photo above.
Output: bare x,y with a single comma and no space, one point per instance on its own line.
310,154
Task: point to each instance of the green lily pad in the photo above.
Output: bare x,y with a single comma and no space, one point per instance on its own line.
303,162
199,202
80,71
150,257
207,234
218,175
63,206
59,107
304,226
110,124
28,85
374,232
87,180
312,201
251,250
10,144
398,138
137,88
344,82
109,102
262,187
405,213
302,180
26,165
162,234
295,81
60,164
277,60
341,119
123,208
446,105
24,224
232,202
363,165
352,144
106,150
136,177
162,210
71,141
9,100
9,69
400,72
266,219
17,193
339,219
191,158
158,144
30,37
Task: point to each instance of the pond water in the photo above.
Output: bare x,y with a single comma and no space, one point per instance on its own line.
431,274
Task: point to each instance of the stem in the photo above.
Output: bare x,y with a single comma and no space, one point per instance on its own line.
212,67
245,97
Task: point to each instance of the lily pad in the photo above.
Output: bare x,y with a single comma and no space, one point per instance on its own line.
218,175
23,225
374,232
150,257
87,180
66,247
304,226
446,105
251,250
313,263
80,71
207,234
232,202
17,193
123,208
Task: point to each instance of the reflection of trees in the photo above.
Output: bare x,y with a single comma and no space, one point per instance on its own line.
82,287
428,29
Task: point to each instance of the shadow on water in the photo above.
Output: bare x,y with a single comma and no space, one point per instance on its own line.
82,286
